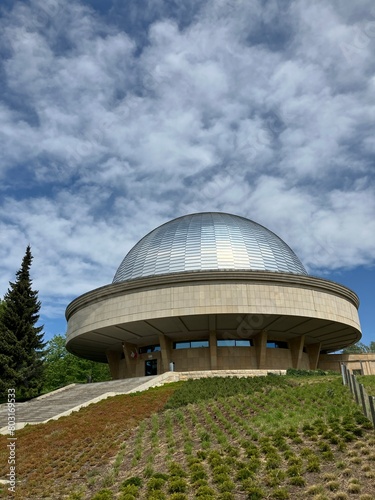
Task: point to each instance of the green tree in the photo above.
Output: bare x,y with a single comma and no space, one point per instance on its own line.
63,368
358,348
21,341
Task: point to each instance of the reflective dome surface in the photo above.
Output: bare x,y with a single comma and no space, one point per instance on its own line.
208,241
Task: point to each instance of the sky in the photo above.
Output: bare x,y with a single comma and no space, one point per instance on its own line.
116,117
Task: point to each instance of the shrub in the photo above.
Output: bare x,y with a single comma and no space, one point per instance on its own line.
313,464
176,470
127,496
220,478
205,491
333,485
297,481
198,474
226,496
155,483
135,481
354,488
315,489
280,494
160,475
306,373
103,495
155,495
244,473
177,486
341,495
328,455
254,493
293,471
227,485
131,490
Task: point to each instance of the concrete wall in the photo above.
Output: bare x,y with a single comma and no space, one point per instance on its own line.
228,358
363,362
215,298
244,358
115,320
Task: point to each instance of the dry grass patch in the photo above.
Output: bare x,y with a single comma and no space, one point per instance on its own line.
245,444
54,457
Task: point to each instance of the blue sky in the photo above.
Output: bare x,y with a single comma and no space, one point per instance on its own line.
116,117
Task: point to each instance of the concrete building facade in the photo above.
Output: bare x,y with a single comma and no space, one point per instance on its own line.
212,291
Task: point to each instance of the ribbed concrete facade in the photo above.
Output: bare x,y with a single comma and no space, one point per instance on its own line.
303,316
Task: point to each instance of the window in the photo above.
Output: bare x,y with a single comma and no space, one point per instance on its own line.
277,344
234,343
149,348
225,343
190,344
244,343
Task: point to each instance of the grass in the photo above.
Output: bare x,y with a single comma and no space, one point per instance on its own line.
222,438
368,382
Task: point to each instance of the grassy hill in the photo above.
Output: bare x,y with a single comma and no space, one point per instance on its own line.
221,438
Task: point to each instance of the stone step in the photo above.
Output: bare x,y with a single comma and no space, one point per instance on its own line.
71,398
63,400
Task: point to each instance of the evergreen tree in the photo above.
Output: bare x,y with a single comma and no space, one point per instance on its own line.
8,374
21,341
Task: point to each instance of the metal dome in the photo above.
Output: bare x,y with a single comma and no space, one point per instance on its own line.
208,241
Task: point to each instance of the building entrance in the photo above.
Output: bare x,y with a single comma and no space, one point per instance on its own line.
151,367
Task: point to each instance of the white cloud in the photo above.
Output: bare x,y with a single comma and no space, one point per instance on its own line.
266,111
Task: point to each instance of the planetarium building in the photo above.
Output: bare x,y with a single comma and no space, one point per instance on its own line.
212,291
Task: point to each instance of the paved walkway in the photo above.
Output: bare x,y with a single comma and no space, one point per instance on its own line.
73,397
70,398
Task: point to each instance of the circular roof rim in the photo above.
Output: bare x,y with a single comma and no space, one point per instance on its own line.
161,281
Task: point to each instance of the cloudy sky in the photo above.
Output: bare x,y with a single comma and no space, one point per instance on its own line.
118,116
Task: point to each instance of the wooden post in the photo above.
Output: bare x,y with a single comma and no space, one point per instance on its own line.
344,374
363,396
355,388
372,409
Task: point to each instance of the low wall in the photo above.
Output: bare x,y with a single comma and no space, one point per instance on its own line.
363,364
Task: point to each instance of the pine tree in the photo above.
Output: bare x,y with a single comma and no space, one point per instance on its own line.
21,341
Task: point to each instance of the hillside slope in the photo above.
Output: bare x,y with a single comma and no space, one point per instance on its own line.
267,437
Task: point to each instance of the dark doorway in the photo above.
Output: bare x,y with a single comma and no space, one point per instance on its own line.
151,367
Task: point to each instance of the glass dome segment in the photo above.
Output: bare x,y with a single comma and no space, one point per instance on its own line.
208,241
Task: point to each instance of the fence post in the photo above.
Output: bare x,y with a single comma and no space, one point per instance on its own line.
359,392
356,389
372,409
364,400
344,374
349,378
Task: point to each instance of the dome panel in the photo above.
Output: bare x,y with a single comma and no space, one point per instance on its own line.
208,241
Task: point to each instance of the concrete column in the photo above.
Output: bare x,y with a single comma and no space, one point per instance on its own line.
296,348
260,344
213,350
114,358
166,352
131,359
313,351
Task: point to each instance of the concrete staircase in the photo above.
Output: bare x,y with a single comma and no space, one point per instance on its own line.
70,398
